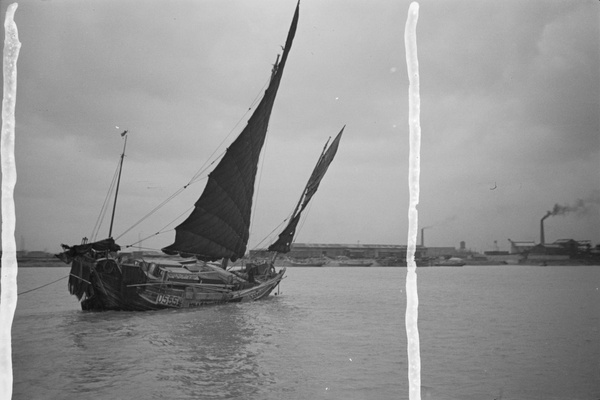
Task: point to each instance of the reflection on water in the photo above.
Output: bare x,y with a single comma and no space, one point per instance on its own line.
216,353
210,352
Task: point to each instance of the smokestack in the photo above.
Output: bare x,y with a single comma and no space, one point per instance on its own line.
542,239
423,234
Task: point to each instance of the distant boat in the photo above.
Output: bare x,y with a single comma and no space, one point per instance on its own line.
216,230
450,262
424,262
307,263
349,262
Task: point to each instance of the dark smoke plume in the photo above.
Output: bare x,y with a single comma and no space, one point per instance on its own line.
581,206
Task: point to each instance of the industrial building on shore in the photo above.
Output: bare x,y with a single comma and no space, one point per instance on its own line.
561,252
356,251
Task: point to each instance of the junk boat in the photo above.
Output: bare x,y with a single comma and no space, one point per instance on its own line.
217,229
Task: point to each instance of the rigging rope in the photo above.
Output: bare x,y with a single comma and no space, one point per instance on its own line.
203,168
255,205
197,176
298,229
160,231
39,287
155,209
269,234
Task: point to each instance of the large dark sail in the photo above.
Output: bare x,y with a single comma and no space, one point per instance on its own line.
283,243
219,225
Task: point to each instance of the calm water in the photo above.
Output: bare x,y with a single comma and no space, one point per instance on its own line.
506,332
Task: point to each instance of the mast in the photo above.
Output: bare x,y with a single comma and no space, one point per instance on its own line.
286,237
112,219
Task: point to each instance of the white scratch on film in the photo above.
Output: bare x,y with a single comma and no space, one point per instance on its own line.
412,297
8,297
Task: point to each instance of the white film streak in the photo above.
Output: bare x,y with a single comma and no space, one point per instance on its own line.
8,299
412,297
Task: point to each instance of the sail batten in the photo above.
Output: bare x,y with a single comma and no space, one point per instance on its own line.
286,237
227,197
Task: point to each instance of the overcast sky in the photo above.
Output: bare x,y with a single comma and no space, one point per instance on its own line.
510,116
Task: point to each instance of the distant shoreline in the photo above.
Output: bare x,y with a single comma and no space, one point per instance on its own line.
55,263
40,262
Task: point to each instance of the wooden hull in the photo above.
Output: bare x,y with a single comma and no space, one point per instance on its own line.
443,264
307,264
108,284
452,262
355,263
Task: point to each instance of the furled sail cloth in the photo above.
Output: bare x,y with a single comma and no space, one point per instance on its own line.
70,252
219,225
283,243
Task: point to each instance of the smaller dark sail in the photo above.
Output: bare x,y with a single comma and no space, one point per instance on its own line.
321,169
283,243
